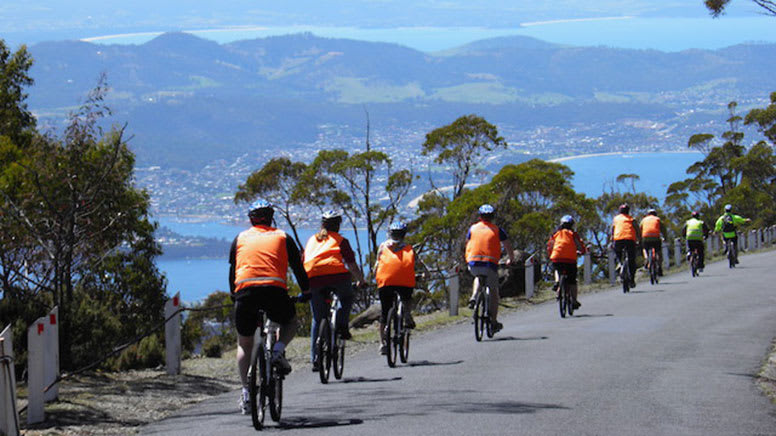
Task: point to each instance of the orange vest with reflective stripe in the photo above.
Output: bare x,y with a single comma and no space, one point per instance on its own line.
564,247
322,258
650,227
396,268
623,228
484,244
261,258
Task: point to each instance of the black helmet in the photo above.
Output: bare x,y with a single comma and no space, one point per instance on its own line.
624,208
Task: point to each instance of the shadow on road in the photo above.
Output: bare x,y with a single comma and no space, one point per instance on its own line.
298,423
512,338
592,315
368,380
501,407
427,363
651,291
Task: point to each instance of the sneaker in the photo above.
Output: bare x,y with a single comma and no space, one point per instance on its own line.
555,286
472,302
410,323
245,402
700,269
316,366
345,334
660,272
280,362
383,350
497,326
577,305
633,283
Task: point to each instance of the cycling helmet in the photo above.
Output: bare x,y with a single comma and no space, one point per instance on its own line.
696,214
261,211
397,231
624,208
567,219
486,209
728,207
331,220
652,212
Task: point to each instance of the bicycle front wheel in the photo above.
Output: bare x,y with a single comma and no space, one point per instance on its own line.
323,350
390,339
256,385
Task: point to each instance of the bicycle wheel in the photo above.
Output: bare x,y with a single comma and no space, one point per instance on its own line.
256,385
731,254
487,320
694,264
562,297
276,393
479,316
323,350
404,339
390,339
625,274
652,267
338,357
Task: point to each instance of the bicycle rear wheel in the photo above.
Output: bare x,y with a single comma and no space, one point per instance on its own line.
256,385
338,357
562,302
390,339
480,316
694,264
625,274
652,267
404,338
486,304
731,254
323,350
276,394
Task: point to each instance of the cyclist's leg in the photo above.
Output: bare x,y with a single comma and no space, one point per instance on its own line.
571,277
344,291
631,247
735,246
386,301
619,249
319,310
281,310
702,252
475,286
405,294
659,255
245,320
494,297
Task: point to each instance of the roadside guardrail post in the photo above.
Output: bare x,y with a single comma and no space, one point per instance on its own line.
709,247
172,334
612,266
529,277
751,245
677,251
51,361
741,242
666,257
35,371
588,265
760,242
454,286
9,418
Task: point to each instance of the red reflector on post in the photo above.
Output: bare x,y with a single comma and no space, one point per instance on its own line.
53,319
175,301
40,328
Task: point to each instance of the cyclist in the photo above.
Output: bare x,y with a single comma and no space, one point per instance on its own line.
625,237
483,251
652,232
395,274
258,264
562,250
695,231
727,224
331,264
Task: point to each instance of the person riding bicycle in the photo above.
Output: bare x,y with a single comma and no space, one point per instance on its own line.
727,224
652,233
258,264
331,264
562,250
625,237
483,251
395,274
695,231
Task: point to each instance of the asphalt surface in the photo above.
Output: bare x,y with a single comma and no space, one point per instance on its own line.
678,358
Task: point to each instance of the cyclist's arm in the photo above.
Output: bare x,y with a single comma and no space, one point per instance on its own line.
718,225
684,231
580,243
349,257
232,262
509,249
295,262
740,220
706,231
550,245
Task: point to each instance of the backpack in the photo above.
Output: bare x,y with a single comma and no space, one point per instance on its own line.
727,224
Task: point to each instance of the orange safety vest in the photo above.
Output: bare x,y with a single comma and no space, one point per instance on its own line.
324,258
564,247
623,228
396,268
261,258
484,244
650,227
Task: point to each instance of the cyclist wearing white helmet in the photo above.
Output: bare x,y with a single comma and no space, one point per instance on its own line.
259,261
624,237
562,250
483,252
695,231
331,264
395,274
728,224
652,232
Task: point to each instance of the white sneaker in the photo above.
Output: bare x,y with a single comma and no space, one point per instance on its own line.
245,402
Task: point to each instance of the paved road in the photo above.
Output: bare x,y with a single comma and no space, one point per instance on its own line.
673,359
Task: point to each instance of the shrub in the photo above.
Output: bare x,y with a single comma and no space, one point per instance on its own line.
213,347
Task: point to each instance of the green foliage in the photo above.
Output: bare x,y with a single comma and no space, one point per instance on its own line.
717,7
149,353
16,121
211,320
213,347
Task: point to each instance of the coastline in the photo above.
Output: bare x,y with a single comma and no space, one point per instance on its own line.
615,153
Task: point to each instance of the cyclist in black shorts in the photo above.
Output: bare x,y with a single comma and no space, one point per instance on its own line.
652,232
259,261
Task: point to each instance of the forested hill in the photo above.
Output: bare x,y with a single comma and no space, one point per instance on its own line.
179,88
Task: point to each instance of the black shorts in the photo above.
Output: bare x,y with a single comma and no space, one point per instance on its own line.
649,243
386,298
271,299
570,269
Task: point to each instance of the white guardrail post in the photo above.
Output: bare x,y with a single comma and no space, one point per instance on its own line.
709,246
588,267
172,334
51,352
714,243
677,251
741,241
35,372
666,258
9,418
529,277
454,286
612,266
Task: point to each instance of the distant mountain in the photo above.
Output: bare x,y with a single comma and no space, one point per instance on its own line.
180,92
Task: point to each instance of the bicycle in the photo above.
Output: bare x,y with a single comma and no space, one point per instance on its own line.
653,266
397,335
695,261
565,302
732,252
264,380
625,275
481,314
329,344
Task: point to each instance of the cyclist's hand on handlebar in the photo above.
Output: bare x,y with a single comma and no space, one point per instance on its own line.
361,284
303,297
